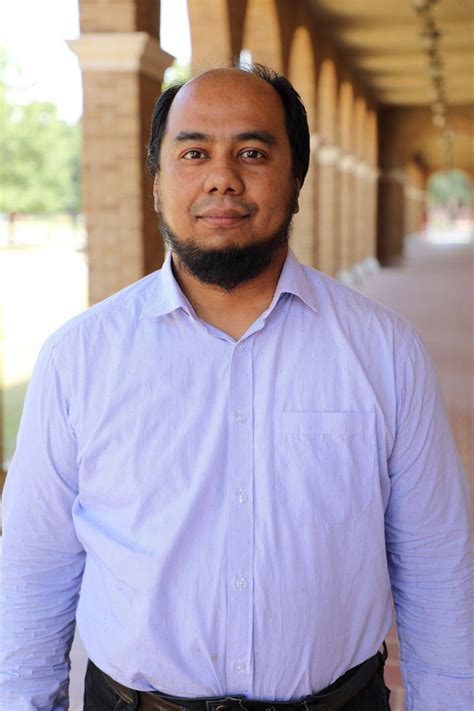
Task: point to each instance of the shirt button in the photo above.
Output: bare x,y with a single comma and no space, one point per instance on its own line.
239,417
241,496
240,583
241,347
239,667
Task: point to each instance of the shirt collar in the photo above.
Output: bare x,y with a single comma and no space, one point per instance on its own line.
293,280
166,295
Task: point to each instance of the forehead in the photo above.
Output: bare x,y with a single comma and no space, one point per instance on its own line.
227,101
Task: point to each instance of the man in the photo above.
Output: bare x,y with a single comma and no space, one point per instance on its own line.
235,460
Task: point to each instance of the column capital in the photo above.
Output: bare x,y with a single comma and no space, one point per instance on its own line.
327,154
346,163
314,142
414,193
393,176
121,52
365,170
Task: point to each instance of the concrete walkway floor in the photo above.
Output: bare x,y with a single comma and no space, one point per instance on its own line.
434,289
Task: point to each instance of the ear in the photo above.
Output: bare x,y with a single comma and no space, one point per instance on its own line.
156,193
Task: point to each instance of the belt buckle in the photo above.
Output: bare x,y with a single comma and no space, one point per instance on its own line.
227,703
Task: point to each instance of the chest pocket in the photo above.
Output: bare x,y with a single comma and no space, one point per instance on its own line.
325,465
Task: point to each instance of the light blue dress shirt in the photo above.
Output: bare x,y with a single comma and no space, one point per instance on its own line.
235,514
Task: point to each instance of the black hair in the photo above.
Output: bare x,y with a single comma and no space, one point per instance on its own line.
295,118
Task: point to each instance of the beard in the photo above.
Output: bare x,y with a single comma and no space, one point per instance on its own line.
232,265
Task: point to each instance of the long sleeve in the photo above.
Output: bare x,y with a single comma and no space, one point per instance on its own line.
428,545
42,558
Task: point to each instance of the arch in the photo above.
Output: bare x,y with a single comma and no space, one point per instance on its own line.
261,34
327,100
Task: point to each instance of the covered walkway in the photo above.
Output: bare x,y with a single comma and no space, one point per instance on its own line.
388,89
433,288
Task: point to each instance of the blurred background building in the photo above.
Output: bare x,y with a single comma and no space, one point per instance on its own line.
389,91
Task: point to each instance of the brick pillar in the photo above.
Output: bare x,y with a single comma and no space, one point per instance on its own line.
371,262
415,196
414,209
211,34
122,77
304,238
365,260
360,217
327,158
261,33
345,258
390,222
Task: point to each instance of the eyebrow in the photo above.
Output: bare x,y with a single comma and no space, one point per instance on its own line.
262,136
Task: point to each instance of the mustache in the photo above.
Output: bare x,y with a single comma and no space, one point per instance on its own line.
249,208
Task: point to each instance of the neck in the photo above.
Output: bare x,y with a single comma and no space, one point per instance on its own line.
231,311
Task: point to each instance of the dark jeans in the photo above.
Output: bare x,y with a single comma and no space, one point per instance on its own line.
99,696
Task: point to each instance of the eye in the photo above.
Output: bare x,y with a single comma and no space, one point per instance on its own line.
252,154
193,154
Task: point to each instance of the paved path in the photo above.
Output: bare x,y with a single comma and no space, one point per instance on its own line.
434,290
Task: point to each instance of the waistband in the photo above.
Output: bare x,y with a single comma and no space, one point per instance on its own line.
330,699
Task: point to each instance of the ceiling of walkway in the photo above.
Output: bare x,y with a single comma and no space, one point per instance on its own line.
392,46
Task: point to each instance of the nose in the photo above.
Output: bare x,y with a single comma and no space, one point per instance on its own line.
223,179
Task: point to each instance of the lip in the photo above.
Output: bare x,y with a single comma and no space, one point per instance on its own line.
222,218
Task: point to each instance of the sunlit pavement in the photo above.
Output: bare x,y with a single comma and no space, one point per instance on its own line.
433,288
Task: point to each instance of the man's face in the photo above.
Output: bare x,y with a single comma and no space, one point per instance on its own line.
225,189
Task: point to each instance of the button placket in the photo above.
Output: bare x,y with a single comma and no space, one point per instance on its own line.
240,560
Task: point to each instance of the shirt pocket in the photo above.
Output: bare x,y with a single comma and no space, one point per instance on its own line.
325,465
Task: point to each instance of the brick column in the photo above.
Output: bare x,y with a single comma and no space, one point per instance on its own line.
211,34
415,199
371,263
327,158
304,238
360,218
261,33
346,213
122,77
366,260
390,223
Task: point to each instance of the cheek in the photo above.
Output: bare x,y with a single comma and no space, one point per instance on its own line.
275,198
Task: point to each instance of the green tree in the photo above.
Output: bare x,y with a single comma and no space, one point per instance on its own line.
39,166
177,72
449,187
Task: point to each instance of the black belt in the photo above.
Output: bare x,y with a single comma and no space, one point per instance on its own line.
330,699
